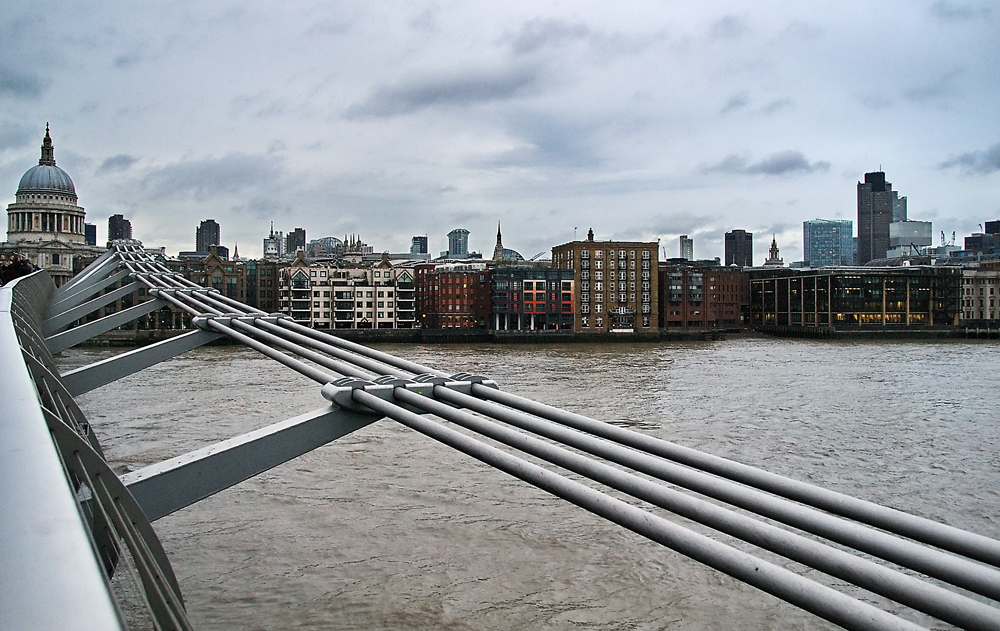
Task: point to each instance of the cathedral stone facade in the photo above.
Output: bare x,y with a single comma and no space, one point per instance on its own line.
45,224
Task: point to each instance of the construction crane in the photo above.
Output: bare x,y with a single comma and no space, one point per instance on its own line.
535,257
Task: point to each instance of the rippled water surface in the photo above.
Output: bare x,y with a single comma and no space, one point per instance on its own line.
386,529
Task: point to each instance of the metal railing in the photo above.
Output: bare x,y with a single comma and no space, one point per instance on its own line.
944,572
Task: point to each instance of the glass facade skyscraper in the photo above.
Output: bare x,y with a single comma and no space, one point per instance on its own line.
828,242
739,248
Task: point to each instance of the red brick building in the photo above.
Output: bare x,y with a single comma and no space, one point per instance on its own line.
453,295
702,295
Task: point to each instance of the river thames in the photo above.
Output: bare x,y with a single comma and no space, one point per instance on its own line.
387,529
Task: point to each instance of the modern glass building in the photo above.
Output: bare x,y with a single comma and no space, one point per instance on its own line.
917,295
827,242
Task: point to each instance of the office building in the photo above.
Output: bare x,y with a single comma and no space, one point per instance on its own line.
614,284
878,204
90,232
909,237
529,298
295,241
458,243
206,235
828,242
418,245
119,228
899,208
687,248
981,294
916,295
739,248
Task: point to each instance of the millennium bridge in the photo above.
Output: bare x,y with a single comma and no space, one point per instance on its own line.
78,551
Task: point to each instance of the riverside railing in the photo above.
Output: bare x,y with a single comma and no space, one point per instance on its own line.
944,572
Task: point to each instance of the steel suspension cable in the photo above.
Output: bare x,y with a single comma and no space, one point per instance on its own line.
822,601
913,592
942,536
364,351
955,570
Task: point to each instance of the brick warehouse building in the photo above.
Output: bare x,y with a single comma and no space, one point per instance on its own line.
453,295
702,295
615,284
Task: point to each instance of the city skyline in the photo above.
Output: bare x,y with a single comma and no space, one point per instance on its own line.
399,120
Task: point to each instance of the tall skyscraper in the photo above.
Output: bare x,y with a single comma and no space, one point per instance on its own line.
458,243
877,205
827,242
206,235
687,248
119,228
295,241
418,245
898,208
739,248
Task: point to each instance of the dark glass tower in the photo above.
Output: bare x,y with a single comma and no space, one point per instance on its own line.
876,203
206,235
739,248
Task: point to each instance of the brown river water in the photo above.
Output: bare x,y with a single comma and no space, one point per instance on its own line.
387,529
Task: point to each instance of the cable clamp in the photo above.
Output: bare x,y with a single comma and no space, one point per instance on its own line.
341,392
201,321
471,378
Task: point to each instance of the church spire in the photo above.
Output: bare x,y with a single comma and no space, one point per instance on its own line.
48,156
498,250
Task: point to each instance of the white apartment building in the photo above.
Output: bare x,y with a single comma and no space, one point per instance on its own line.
331,297
981,292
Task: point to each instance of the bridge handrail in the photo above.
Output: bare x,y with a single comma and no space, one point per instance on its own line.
67,524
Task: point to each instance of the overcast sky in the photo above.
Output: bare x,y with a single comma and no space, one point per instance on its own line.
641,120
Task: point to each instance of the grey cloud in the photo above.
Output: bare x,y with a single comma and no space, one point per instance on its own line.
679,223
13,135
117,163
233,173
875,101
22,85
942,86
125,60
785,162
464,89
775,106
548,141
802,30
729,27
425,21
982,162
538,33
780,163
329,28
735,102
120,162
954,12
779,228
